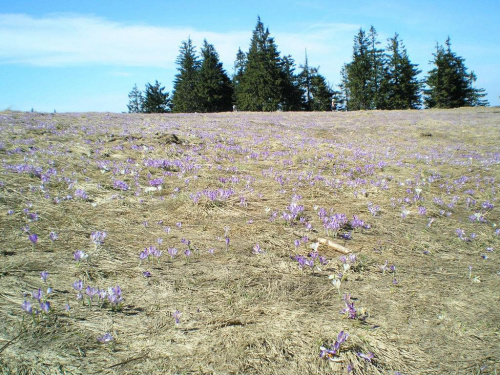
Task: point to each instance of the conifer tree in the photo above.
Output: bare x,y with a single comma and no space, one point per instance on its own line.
292,93
305,83
155,100
400,86
260,84
185,98
214,89
359,74
317,93
322,93
345,93
136,101
239,67
449,83
377,70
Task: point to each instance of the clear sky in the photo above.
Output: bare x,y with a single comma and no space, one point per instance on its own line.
73,56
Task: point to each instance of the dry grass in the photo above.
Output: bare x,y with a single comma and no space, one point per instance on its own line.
244,313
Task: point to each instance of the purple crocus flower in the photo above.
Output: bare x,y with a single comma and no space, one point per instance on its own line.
143,255
44,275
90,291
172,252
26,306
146,274
98,237
257,250
368,357
37,294
53,236
78,285
105,339
80,255
115,295
33,238
45,306
177,314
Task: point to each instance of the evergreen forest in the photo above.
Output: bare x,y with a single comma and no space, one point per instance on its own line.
377,77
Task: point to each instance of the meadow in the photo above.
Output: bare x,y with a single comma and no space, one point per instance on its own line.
250,243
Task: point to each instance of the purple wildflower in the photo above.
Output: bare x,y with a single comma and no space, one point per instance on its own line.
177,314
80,255
37,294
115,296
44,275
105,339
330,353
146,274
349,309
45,306
172,252
98,237
78,285
33,238
26,306
322,260
368,357
53,236
257,249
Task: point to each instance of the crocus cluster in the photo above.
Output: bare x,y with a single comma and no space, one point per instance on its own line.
294,210
98,237
40,297
112,295
374,209
349,311
310,259
462,236
80,255
120,185
334,349
79,193
150,252
349,261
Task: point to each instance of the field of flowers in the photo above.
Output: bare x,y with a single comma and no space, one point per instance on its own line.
250,243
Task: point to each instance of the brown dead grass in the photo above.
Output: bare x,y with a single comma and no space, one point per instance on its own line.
244,313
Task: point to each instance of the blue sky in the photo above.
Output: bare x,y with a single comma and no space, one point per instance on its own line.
73,56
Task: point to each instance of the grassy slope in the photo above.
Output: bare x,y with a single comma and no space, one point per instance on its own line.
241,312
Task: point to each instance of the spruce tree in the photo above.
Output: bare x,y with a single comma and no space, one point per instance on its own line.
400,85
185,98
260,85
377,70
449,83
135,100
317,93
305,83
155,100
292,93
345,93
239,68
214,89
359,74
322,93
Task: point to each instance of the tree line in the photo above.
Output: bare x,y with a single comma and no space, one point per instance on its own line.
263,80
